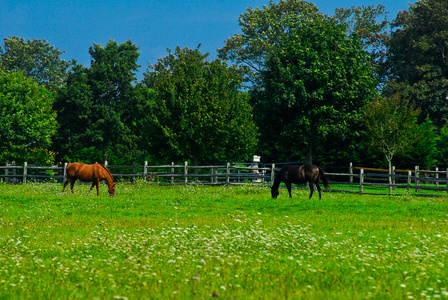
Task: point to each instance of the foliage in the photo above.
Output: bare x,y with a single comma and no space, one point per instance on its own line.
418,57
27,120
153,242
261,31
99,105
365,22
36,59
442,146
199,112
391,123
315,83
423,151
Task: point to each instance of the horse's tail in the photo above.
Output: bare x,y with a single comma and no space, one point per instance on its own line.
324,178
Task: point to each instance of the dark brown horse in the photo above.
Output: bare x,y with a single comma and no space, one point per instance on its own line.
299,174
89,173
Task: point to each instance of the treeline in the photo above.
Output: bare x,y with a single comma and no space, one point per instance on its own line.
294,85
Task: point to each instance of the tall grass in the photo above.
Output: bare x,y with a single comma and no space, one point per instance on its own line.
235,243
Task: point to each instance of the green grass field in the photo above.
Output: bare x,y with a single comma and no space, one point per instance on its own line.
194,242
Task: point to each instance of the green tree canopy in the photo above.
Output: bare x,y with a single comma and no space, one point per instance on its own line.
27,120
36,59
199,114
391,123
98,105
314,86
370,24
262,30
418,56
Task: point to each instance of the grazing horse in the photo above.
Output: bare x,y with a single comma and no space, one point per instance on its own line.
299,174
89,173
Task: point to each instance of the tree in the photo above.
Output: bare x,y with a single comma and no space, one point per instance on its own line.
199,114
27,120
442,146
365,23
418,56
298,72
99,105
423,151
74,106
391,123
314,86
261,31
36,59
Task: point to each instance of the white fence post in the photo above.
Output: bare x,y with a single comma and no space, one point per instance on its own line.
350,170
416,173
25,164
228,175
409,181
361,180
185,173
172,173
437,176
64,173
393,178
145,170
272,174
7,172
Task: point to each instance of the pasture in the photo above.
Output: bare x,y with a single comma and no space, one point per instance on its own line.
193,242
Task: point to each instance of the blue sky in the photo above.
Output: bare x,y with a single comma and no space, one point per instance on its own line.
73,26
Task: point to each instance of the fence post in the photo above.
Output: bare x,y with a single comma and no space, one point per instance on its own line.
416,176
350,170
211,175
393,178
64,173
14,172
228,175
437,176
145,170
361,180
272,174
409,181
7,172
133,171
447,178
185,173
172,173
25,164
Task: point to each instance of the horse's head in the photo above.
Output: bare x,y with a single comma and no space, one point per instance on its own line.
274,192
112,190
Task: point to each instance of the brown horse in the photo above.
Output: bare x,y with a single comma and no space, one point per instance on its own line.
89,173
298,175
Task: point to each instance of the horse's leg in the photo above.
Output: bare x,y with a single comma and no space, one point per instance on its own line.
72,183
288,185
98,188
311,189
93,184
318,188
65,183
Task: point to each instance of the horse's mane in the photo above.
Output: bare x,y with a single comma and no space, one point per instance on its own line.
106,170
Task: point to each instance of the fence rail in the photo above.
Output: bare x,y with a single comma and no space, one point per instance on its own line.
355,180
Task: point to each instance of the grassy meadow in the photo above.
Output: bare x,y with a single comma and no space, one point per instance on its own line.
194,242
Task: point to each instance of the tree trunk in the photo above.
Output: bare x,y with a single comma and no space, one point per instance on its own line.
104,155
389,157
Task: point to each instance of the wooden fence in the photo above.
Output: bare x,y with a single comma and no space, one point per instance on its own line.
352,179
